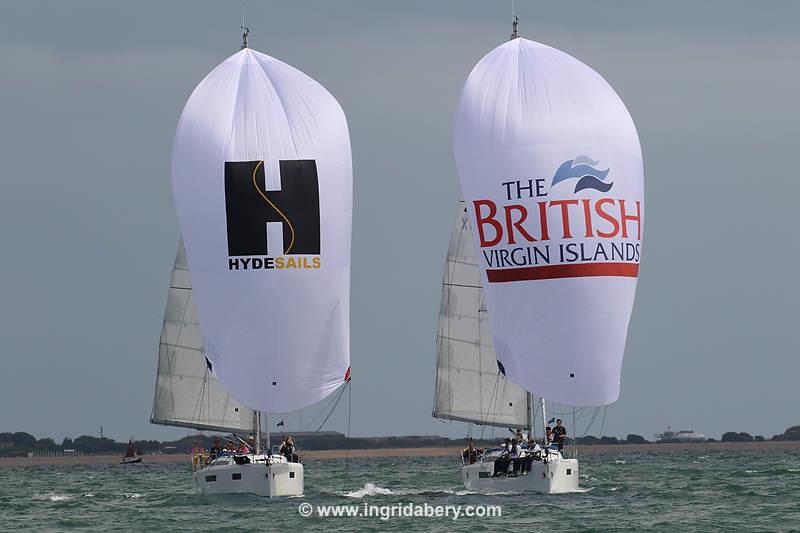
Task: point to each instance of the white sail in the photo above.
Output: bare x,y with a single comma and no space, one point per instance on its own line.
262,181
187,393
469,386
551,170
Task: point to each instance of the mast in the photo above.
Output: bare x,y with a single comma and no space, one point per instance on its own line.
544,424
269,445
257,431
530,416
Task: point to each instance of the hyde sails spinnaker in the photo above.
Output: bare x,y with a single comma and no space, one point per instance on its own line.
551,171
262,179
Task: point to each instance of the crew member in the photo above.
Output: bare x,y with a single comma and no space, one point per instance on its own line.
559,434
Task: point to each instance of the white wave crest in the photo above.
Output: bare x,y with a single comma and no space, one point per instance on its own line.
52,497
132,495
370,489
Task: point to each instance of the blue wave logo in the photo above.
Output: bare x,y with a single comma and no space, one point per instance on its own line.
583,169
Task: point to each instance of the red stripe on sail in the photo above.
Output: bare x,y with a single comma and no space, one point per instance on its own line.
576,270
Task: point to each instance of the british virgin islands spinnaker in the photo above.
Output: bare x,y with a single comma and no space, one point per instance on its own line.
551,174
262,180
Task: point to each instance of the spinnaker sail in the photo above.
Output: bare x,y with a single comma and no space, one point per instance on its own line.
551,169
262,180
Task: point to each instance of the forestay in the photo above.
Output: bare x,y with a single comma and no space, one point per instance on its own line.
469,385
187,394
262,179
551,170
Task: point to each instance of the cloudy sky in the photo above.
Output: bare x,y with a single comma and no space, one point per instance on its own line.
90,94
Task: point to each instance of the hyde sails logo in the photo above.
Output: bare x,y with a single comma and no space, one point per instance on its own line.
272,229
571,225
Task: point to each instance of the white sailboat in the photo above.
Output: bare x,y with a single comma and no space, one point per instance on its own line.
470,386
188,395
263,187
551,172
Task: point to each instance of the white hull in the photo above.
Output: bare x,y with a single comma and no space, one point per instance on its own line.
262,476
556,476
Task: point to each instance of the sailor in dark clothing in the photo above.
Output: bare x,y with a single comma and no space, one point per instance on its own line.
559,434
470,454
502,462
287,450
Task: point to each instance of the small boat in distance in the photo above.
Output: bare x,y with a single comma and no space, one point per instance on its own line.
132,455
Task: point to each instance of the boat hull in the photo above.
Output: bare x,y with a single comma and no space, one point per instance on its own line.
130,460
556,476
261,476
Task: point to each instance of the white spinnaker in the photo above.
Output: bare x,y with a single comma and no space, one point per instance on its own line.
532,114
278,337
187,393
469,386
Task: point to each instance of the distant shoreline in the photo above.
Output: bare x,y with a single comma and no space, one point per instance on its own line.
321,455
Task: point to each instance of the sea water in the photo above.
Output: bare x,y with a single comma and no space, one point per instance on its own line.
658,491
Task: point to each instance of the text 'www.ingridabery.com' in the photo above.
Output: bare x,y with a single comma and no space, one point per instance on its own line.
401,510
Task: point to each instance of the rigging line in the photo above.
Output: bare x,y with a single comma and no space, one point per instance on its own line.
349,412
321,411
334,407
591,422
603,423
491,398
264,196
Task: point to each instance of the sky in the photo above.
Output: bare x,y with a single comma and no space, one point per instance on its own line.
90,94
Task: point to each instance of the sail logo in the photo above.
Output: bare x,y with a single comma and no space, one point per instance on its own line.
533,231
582,169
292,212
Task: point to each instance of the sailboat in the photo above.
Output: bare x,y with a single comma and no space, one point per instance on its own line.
470,385
551,173
188,395
262,183
132,455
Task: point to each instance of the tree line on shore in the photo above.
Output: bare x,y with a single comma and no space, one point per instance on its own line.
22,444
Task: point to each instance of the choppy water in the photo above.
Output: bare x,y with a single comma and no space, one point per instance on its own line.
663,491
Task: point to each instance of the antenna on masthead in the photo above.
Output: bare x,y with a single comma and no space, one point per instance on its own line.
514,24
245,33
